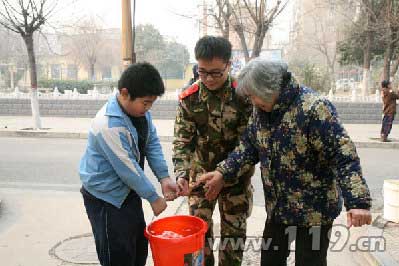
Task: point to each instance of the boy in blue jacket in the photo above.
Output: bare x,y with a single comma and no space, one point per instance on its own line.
121,137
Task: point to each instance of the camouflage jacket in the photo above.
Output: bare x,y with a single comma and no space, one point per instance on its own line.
207,127
307,160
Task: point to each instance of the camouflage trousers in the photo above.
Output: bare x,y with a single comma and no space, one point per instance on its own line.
235,206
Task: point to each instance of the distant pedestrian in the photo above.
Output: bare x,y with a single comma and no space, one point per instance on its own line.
195,75
121,137
192,80
389,98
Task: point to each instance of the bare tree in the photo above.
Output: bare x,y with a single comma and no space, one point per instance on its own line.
249,19
390,30
25,17
222,15
361,35
376,33
86,41
12,57
324,41
379,25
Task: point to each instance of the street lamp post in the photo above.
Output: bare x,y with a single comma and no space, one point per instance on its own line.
134,33
127,47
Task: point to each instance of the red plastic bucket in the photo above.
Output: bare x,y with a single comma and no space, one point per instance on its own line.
177,240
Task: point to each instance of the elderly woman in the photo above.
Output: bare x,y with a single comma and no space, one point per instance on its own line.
308,164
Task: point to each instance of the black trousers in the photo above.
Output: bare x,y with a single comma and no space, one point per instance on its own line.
118,233
311,244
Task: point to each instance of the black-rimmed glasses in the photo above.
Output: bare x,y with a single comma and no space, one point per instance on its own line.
214,74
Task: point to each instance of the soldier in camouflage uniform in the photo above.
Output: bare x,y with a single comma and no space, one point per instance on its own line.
308,164
210,119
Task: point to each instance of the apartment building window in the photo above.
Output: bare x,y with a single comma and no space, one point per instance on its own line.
56,71
72,72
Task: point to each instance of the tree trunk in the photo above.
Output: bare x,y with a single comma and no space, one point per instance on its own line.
240,33
28,39
331,75
387,60
395,67
259,38
366,65
226,30
92,72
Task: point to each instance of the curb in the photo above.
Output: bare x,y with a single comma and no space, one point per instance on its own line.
83,135
42,134
377,257
62,135
376,144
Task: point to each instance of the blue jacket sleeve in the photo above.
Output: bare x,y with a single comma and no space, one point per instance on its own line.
115,144
332,143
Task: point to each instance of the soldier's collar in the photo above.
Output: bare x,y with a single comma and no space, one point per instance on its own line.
226,91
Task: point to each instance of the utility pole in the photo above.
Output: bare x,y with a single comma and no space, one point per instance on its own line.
127,47
134,33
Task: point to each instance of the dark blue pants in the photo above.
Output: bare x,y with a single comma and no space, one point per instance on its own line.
118,233
386,127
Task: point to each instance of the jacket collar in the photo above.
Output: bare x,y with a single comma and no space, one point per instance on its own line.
113,107
225,93
286,98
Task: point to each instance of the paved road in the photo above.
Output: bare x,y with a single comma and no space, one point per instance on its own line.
53,163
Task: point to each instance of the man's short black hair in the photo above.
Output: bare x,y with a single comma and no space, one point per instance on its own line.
210,47
385,83
141,79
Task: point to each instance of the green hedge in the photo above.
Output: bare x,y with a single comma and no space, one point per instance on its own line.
81,85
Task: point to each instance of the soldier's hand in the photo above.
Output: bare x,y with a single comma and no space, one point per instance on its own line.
169,188
182,187
213,184
158,206
358,217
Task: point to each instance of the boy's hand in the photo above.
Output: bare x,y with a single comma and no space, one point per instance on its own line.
169,188
182,187
158,206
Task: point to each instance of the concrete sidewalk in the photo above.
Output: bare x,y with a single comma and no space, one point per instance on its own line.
46,228
364,135
36,229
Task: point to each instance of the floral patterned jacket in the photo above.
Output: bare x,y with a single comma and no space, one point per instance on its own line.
308,162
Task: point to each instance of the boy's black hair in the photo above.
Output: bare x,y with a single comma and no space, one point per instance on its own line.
385,83
210,47
141,79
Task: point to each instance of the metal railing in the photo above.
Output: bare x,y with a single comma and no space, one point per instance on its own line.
95,94
55,94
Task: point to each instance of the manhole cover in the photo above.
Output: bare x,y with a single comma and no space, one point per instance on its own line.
77,249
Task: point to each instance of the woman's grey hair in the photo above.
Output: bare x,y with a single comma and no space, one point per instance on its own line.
262,78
